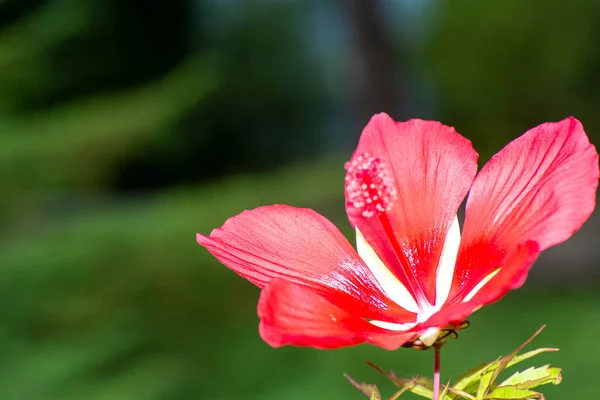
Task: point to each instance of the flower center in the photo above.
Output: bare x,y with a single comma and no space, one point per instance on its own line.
398,293
369,186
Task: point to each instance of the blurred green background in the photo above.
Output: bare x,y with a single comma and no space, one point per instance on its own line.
126,126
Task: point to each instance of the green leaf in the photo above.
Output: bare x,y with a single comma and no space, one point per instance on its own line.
423,387
445,391
369,390
482,378
404,389
459,394
418,385
529,354
534,377
507,359
485,382
469,380
513,393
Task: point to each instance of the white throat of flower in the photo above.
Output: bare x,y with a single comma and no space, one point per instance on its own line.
398,293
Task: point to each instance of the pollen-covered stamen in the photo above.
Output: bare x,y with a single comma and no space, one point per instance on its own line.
369,186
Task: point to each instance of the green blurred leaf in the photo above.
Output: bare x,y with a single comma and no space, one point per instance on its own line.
97,130
78,144
50,25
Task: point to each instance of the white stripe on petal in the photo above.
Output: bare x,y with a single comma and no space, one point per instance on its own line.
391,326
445,270
478,287
391,286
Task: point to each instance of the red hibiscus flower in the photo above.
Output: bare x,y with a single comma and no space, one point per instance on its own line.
413,272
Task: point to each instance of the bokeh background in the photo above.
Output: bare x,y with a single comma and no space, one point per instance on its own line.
126,126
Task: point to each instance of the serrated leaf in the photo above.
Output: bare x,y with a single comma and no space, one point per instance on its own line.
419,385
369,390
404,389
485,382
483,377
470,381
529,354
507,359
473,374
534,377
423,387
513,393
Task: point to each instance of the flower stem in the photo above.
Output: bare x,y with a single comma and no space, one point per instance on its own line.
436,372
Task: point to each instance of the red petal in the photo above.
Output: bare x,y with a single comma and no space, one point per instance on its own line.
511,275
291,314
541,187
300,246
404,185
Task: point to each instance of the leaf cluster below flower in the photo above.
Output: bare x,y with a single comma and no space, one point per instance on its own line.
479,383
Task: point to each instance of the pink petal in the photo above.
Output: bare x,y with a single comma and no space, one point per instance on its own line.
404,185
541,187
300,246
291,314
